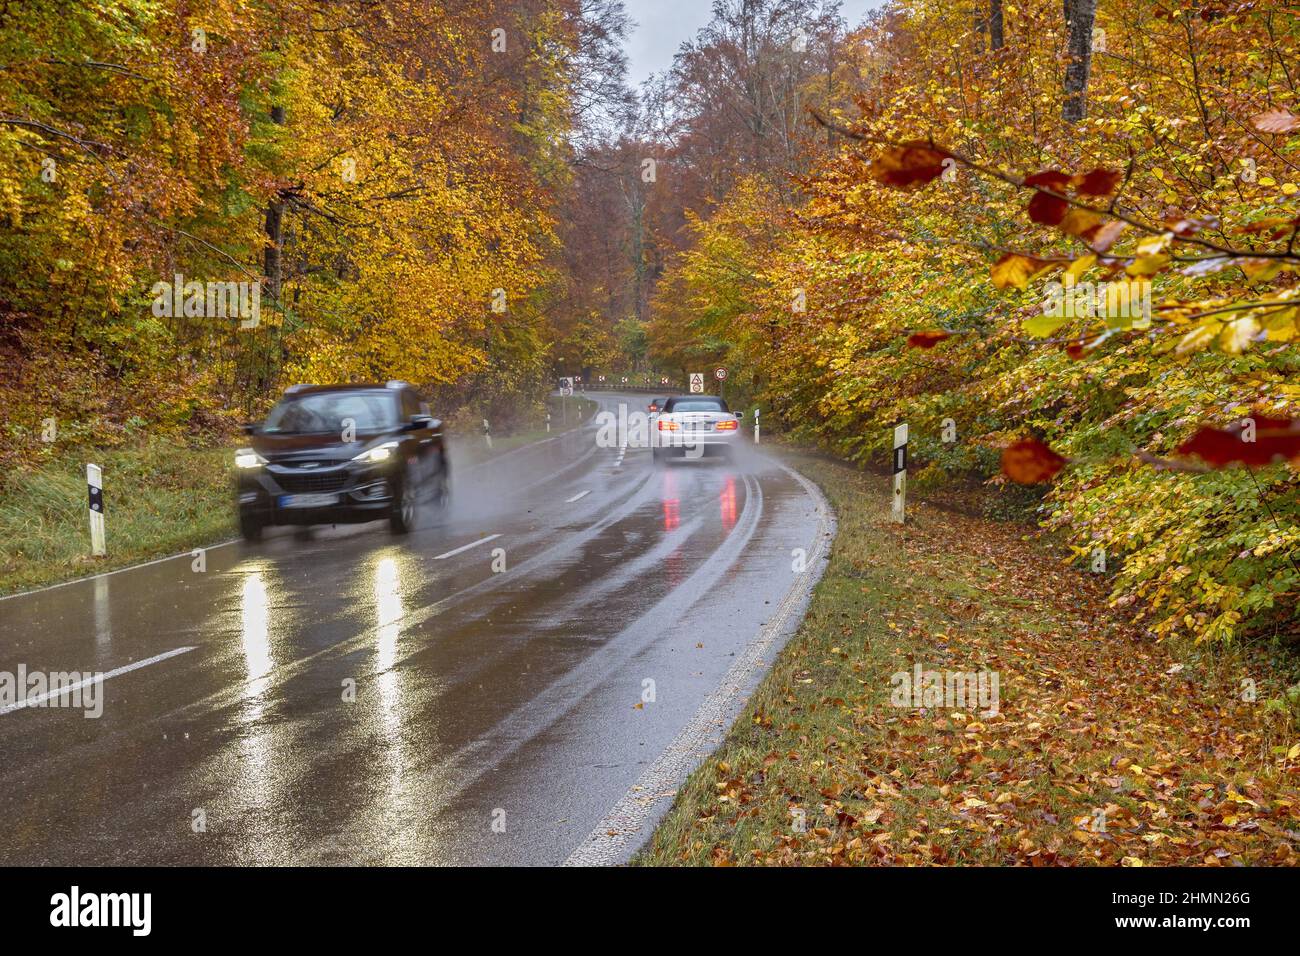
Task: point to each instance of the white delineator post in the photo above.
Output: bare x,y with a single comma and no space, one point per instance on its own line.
95,487
487,433
900,473
755,426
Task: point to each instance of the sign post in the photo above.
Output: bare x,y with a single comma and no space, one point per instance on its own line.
95,487
566,389
697,383
900,473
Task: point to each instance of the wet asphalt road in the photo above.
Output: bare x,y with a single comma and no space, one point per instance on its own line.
481,696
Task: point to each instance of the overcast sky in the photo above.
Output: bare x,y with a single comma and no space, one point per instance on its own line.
664,24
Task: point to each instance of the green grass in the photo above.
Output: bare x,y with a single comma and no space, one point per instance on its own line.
159,499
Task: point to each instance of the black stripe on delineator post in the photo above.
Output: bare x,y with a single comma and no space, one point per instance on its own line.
900,459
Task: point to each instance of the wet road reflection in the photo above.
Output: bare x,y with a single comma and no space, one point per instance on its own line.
255,633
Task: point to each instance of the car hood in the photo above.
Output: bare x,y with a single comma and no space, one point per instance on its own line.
326,449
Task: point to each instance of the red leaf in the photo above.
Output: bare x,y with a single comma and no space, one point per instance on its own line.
1275,439
1047,209
1080,347
927,340
1029,462
1099,182
909,166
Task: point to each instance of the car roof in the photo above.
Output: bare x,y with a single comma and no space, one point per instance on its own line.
298,390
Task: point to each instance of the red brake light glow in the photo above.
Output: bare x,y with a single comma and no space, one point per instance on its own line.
726,425
667,426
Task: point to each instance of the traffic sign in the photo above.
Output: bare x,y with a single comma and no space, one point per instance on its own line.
697,383
566,386
720,374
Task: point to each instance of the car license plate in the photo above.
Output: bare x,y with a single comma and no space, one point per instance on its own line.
308,501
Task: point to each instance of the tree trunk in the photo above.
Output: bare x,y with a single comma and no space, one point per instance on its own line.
274,230
1079,18
995,25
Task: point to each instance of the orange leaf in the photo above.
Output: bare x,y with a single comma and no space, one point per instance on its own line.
1052,179
1029,462
1106,235
1015,269
1276,121
1081,222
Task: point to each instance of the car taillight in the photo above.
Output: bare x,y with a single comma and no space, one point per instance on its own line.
727,425
667,426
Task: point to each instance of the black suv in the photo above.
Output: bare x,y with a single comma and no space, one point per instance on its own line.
329,454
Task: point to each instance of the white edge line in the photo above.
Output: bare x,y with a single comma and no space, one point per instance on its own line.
116,672
466,547
129,567
581,494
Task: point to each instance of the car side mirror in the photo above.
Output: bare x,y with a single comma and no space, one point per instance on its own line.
248,429
424,421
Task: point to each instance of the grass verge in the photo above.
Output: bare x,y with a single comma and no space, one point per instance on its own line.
1107,748
159,499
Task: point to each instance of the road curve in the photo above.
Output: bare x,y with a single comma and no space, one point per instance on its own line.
350,697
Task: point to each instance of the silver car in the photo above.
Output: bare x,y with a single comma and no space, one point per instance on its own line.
693,426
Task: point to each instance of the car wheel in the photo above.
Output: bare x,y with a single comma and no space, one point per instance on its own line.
250,527
402,519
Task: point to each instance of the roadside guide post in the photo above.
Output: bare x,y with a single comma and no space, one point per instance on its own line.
487,433
900,473
755,424
95,488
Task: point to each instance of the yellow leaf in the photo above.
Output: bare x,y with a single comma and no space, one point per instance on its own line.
1236,335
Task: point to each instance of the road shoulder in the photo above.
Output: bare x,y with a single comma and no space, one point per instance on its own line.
1105,747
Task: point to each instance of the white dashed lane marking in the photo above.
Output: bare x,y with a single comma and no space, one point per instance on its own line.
466,547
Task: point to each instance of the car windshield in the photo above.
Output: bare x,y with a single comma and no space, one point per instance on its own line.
699,405
333,412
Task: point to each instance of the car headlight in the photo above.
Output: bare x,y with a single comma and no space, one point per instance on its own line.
247,458
378,453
